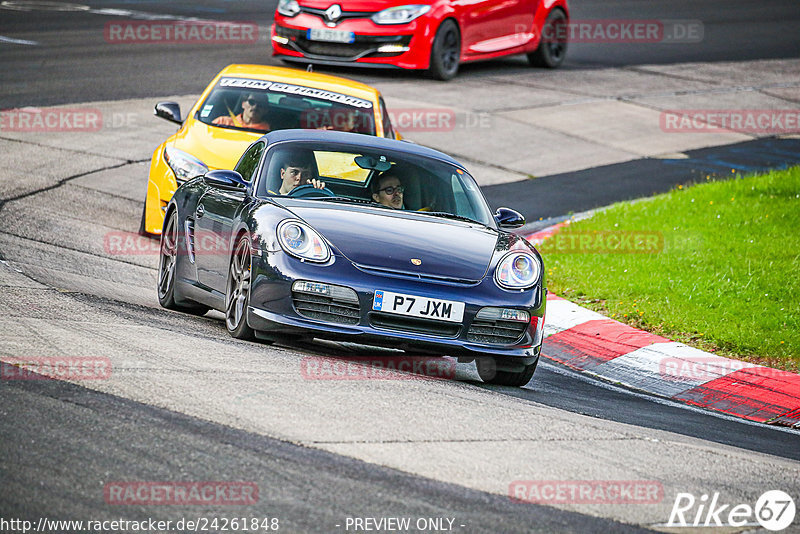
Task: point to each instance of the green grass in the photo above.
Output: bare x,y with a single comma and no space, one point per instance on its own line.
727,279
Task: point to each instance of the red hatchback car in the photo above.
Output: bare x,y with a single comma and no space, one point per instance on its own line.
436,36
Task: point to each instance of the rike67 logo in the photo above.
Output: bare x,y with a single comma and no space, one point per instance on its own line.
774,510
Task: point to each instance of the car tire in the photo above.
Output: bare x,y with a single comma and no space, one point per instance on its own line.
489,373
551,52
167,266
445,52
237,294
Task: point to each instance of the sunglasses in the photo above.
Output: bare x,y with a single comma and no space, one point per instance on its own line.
391,189
254,102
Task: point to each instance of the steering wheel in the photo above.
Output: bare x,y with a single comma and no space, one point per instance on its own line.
309,190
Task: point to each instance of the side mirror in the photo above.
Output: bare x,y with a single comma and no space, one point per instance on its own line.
508,218
170,111
231,180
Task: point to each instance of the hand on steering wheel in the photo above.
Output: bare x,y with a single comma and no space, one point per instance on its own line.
311,190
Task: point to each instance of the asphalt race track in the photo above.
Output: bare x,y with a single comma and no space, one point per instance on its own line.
187,403
72,43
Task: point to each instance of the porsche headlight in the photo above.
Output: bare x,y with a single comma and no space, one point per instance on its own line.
183,164
302,241
400,14
517,270
288,8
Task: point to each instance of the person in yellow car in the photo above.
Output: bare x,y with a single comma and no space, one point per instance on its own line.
253,115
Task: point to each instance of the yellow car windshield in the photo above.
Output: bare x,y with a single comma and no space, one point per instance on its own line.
265,106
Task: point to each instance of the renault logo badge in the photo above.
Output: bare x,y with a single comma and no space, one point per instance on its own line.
416,261
333,13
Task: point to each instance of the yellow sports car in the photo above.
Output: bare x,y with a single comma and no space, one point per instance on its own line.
241,104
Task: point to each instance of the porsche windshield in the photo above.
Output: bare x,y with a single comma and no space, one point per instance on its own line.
264,106
386,179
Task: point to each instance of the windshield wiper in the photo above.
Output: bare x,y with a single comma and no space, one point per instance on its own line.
442,214
346,199
448,215
356,200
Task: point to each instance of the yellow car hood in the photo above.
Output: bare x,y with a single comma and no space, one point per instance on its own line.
218,148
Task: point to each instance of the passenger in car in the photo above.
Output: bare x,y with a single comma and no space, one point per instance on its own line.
387,189
340,118
345,120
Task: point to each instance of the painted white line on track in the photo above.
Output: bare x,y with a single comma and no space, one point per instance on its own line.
42,6
143,15
58,6
11,40
108,12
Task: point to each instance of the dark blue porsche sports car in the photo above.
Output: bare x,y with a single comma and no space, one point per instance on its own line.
345,236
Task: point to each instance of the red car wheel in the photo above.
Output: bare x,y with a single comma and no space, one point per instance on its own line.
446,51
553,45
